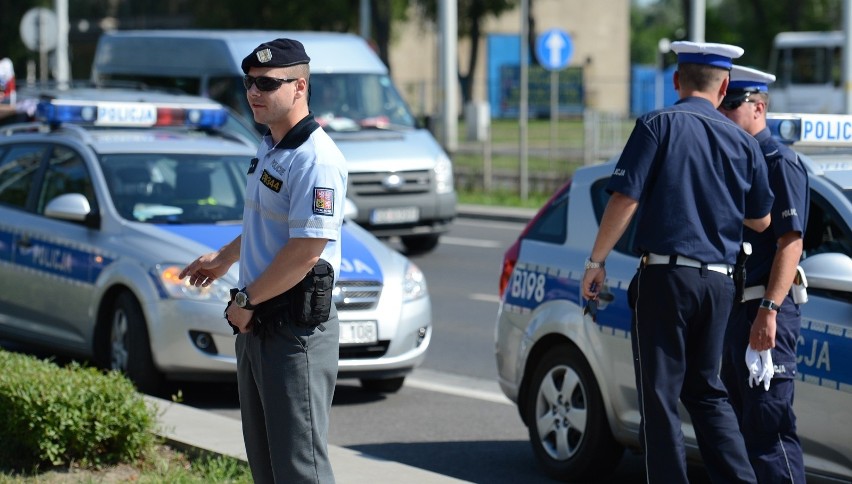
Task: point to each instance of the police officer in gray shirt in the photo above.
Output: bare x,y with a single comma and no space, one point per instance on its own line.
289,252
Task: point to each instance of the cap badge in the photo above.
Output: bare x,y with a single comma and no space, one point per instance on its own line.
264,56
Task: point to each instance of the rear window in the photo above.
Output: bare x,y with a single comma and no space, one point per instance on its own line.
552,225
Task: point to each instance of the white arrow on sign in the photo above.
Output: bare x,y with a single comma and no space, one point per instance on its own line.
555,44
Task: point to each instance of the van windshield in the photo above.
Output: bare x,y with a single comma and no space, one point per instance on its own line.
354,102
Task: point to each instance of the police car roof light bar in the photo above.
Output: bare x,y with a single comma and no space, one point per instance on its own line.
130,114
811,129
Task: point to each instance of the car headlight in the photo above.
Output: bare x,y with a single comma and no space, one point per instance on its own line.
443,175
414,283
167,276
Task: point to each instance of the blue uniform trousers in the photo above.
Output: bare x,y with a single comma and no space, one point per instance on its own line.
766,418
286,382
680,314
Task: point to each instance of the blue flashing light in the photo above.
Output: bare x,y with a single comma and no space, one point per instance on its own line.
812,129
131,114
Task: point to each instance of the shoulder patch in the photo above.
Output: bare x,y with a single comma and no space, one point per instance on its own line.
323,201
270,181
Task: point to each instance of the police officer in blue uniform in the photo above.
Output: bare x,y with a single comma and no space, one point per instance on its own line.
692,178
767,315
289,251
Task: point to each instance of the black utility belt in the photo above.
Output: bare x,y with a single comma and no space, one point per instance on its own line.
307,304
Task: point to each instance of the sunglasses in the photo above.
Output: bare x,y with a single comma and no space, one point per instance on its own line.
735,103
265,83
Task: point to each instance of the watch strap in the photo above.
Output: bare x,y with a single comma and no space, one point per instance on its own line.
769,304
248,305
590,264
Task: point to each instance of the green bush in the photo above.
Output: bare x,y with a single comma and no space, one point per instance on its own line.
62,415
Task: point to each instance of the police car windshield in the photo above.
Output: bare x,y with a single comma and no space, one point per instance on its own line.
354,102
176,189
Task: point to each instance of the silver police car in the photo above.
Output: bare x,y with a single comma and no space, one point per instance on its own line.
106,198
571,374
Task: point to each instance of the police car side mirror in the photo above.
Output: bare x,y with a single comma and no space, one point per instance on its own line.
830,270
73,207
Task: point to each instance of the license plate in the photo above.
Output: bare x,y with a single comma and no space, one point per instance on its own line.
358,332
395,215
124,114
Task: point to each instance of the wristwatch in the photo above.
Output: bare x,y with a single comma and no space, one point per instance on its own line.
590,264
242,299
769,304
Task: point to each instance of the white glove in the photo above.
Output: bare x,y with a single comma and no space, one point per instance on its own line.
754,365
768,368
760,367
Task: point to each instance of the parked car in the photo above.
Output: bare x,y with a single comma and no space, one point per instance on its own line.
106,198
571,374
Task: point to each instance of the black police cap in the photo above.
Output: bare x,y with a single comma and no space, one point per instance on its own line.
276,53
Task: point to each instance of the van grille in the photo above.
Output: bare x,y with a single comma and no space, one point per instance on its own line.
376,183
357,295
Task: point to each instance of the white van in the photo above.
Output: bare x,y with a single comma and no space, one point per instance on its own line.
400,178
808,68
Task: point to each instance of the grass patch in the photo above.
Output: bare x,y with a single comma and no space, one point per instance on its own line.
503,198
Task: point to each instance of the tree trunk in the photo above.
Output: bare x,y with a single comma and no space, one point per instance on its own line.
380,13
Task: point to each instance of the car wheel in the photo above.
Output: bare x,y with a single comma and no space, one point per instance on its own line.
383,385
129,346
567,422
418,244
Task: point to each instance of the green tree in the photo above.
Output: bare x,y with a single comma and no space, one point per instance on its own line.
751,24
471,14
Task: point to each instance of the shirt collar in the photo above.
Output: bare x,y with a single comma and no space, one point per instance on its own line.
298,134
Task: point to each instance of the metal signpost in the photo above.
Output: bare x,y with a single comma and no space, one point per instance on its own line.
553,50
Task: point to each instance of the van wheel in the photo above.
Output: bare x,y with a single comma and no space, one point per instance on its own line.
418,244
383,385
130,347
568,427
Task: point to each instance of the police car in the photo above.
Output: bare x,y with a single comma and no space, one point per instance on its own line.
111,193
571,374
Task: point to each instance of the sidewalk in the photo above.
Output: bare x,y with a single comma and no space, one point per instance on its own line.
188,427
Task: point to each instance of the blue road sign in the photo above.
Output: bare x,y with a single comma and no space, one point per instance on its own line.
554,49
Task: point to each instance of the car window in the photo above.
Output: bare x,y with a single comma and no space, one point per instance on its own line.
600,197
18,169
552,225
826,230
66,173
176,188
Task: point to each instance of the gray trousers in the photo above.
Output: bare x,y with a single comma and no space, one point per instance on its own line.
286,384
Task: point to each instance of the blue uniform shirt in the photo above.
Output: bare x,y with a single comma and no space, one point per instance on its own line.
789,182
295,189
696,176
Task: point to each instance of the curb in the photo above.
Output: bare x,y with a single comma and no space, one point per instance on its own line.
197,430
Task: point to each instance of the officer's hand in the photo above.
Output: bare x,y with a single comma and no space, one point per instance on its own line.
239,317
762,336
593,281
204,270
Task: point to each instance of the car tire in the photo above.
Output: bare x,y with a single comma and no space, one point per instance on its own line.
382,385
130,347
568,427
419,244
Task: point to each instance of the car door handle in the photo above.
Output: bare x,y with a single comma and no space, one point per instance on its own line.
25,242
